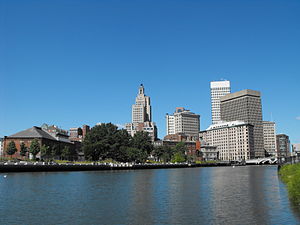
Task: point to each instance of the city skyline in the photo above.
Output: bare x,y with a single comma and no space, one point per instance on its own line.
83,65
122,126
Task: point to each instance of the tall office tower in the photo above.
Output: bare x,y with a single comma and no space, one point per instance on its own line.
141,116
269,137
283,145
141,110
245,106
218,89
234,140
184,122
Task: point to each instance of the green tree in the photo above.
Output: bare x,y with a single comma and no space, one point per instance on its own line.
56,151
23,149
163,153
122,154
141,140
68,153
34,148
140,147
179,152
105,141
178,157
158,152
117,146
11,148
180,147
65,153
136,155
45,152
167,154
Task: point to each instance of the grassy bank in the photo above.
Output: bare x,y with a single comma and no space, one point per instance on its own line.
290,175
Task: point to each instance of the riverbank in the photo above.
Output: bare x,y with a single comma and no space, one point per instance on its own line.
90,167
290,175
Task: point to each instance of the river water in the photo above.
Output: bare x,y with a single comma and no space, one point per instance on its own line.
219,195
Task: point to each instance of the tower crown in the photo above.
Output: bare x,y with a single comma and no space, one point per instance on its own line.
141,89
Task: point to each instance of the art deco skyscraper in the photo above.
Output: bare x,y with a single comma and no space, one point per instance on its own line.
245,106
218,89
141,116
141,110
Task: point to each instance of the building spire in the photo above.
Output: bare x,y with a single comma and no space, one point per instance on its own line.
141,89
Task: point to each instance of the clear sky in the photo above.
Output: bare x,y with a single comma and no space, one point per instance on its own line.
81,62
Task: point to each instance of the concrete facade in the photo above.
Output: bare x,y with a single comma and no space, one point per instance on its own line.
141,110
183,122
234,140
209,153
296,149
269,138
148,127
283,145
179,137
245,106
218,89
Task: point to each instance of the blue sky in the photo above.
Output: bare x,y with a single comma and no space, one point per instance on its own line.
80,62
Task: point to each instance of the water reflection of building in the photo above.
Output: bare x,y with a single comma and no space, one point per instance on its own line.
143,198
238,195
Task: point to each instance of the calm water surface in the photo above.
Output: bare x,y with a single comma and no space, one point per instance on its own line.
221,195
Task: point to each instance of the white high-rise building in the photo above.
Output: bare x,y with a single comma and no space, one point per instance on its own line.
269,137
170,124
141,116
183,121
217,90
234,140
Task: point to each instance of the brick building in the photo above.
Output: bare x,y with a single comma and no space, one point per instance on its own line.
193,147
78,133
43,137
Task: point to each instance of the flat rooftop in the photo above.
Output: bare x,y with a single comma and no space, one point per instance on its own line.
246,92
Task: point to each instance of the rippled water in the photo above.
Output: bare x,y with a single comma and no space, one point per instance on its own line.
221,195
